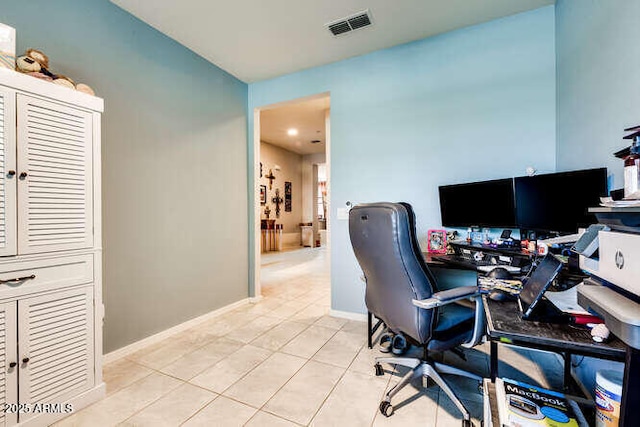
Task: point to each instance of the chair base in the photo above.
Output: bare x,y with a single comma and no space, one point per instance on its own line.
426,370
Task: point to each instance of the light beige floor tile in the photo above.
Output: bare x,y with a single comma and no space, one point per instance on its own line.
121,373
413,405
261,383
253,329
302,396
309,341
230,369
288,309
331,322
222,412
264,306
549,366
226,323
342,408
449,415
310,314
124,403
197,361
199,336
356,327
340,350
516,363
173,348
173,408
262,419
280,335
366,360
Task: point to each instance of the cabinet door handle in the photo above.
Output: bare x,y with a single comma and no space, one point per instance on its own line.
23,175
12,364
18,279
25,360
11,173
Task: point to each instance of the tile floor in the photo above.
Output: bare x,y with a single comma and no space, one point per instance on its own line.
285,362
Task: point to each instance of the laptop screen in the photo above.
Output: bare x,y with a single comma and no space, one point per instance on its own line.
538,283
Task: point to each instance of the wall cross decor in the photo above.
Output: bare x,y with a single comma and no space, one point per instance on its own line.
270,177
277,200
267,212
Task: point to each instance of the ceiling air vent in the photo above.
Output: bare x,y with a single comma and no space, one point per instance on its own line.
350,23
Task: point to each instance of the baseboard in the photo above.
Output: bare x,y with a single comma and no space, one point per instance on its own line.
138,345
348,315
255,300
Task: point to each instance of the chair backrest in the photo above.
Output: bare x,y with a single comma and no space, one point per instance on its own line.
384,242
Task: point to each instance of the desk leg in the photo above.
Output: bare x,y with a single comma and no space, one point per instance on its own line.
630,389
567,370
493,362
369,329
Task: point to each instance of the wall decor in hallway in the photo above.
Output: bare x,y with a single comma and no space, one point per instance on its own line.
287,196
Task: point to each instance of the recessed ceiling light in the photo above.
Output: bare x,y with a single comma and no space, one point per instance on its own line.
292,132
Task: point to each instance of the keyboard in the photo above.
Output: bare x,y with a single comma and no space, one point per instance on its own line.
509,268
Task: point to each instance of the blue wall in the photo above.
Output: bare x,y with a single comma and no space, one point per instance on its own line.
174,162
598,61
476,103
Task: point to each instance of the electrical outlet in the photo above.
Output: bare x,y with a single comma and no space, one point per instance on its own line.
343,213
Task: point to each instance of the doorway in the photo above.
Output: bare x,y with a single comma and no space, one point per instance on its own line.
292,181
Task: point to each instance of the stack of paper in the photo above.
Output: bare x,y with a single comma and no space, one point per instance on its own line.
610,203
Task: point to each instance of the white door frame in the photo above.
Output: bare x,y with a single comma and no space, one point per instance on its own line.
256,185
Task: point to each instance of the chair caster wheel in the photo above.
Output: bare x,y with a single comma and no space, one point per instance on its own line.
386,409
379,370
467,423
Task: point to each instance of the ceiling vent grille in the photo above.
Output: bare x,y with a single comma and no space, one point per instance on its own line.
350,23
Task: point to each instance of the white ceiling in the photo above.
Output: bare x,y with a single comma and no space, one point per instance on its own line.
307,116
260,39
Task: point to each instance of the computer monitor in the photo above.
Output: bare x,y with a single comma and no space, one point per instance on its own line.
558,202
482,204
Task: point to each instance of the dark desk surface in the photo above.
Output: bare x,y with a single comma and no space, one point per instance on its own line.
505,324
433,261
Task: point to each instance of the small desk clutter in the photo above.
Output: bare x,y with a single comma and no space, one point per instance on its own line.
51,308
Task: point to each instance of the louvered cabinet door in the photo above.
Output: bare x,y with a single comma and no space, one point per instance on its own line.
8,236
8,357
54,177
55,346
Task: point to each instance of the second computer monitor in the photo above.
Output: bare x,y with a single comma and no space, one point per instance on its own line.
559,201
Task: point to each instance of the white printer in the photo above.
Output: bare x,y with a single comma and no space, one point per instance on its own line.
616,264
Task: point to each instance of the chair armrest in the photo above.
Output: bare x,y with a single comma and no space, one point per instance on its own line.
446,297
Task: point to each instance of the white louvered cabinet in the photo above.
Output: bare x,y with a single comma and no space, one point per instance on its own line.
8,236
54,176
8,361
51,309
55,346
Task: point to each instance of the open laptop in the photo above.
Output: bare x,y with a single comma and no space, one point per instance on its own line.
533,290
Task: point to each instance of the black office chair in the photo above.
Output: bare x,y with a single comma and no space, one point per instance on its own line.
400,291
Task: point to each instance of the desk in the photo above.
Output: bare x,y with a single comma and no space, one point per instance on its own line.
504,324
